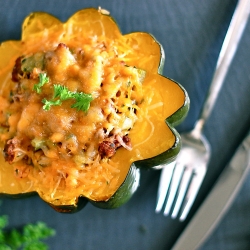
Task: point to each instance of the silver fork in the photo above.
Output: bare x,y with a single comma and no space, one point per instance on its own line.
180,181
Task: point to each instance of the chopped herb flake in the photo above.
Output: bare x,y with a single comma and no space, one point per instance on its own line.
82,101
43,79
48,103
62,92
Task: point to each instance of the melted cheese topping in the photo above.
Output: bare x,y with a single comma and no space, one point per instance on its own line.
62,151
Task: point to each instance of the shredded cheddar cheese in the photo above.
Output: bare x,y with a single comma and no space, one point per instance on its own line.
63,148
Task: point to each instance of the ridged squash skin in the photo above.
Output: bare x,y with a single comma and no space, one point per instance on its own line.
150,57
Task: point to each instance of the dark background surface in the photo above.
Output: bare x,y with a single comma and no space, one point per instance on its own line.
191,33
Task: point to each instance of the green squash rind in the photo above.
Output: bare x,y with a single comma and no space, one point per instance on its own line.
125,191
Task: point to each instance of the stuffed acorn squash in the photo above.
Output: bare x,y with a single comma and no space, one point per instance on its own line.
83,108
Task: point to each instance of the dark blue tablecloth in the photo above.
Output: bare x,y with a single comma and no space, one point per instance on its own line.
191,33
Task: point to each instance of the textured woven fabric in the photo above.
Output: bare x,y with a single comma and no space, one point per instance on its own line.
191,33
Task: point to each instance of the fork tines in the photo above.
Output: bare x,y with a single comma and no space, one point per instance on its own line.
178,186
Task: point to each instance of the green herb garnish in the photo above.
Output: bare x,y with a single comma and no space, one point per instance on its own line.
62,93
43,79
30,237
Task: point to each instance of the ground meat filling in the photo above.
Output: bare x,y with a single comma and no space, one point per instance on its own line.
48,130
10,150
17,72
28,69
108,147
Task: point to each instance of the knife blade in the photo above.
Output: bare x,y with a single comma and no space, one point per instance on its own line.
222,194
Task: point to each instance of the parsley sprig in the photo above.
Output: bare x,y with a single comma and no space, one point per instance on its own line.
30,237
62,93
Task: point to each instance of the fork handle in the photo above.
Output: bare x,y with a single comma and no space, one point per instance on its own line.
227,52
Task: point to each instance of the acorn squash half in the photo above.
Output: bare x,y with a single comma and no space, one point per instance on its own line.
39,149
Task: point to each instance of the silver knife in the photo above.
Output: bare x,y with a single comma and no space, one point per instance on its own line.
223,193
